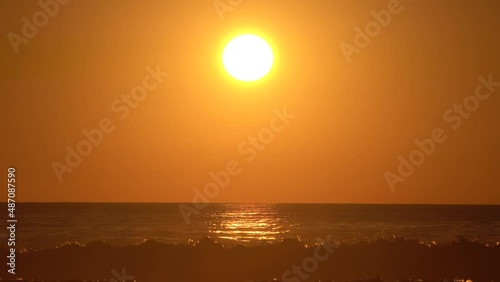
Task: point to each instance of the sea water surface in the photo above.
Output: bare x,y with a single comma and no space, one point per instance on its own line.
43,225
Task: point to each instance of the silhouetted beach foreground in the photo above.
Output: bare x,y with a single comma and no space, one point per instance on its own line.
288,260
251,242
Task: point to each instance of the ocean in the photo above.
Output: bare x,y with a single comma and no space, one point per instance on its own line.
42,225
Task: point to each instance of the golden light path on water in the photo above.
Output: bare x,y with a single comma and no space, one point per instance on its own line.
231,224
248,223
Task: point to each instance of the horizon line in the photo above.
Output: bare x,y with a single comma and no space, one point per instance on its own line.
267,203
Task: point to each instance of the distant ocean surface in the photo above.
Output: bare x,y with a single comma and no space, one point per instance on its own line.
51,224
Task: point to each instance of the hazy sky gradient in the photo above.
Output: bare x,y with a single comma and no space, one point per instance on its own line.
352,121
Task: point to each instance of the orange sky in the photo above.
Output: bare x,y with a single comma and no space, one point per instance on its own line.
352,119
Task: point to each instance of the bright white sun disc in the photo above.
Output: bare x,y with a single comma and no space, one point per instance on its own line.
247,58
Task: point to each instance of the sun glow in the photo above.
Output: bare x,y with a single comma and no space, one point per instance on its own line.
247,58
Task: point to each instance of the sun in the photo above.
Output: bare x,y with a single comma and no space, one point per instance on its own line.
247,58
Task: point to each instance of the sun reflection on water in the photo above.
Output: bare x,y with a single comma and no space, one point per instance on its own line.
248,223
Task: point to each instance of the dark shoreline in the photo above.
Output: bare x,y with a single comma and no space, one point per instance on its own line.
206,260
